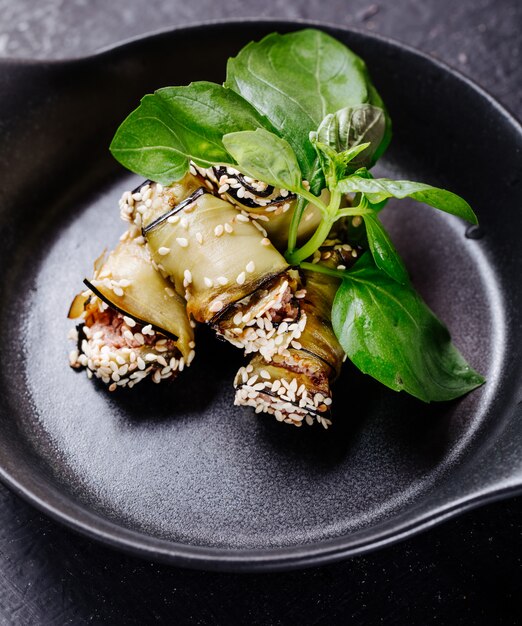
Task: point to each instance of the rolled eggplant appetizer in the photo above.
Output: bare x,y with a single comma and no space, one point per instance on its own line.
296,387
230,274
134,325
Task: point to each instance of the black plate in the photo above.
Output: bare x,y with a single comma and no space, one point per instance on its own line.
180,474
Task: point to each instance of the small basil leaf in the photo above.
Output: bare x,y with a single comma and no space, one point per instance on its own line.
389,333
353,126
176,124
334,164
383,251
378,189
265,156
295,80
326,157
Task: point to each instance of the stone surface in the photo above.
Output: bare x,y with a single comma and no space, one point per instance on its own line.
465,571
478,37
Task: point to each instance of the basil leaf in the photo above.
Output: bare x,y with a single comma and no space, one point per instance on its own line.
295,80
378,189
383,251
350,127
177,124
334,164
265,156
389,333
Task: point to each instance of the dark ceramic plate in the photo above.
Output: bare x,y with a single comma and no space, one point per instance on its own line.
180,474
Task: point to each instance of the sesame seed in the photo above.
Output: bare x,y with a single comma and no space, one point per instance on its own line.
129,321
229,228
242,218
163,250
241,278
173,219
208,282
250,267
118,291
265,241
199,238
188,276
218,230
216,306
222,280
170,292
182,241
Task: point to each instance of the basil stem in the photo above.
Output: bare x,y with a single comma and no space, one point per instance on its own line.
315,242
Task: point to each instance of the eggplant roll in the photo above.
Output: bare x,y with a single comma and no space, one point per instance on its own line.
295,387
134,324
270,207
230,274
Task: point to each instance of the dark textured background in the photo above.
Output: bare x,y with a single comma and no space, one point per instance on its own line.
466,571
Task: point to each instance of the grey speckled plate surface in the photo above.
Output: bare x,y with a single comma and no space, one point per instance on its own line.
177,472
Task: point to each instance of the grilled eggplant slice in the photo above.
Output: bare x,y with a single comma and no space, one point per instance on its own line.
230,274
134,324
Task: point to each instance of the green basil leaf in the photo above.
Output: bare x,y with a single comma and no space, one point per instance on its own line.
378,189
177,124
295,80
383,251
388,332
350,127
265,156
334,164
